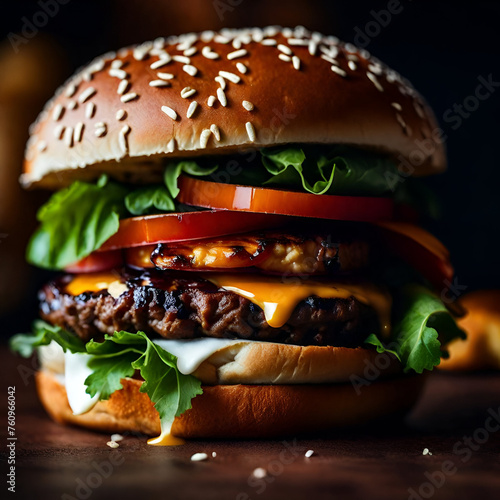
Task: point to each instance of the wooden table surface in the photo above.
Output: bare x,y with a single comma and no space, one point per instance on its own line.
383,462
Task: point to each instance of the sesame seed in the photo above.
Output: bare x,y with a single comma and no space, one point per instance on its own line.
419,108
128,97
425,451
72,105
207,35
221,39
241,68
70,90
199,457
287,32
313,46
190,69
116,437
329,51
247,105
352,65
400,120
181,59
214,454
190,52
166,76
86,94
41,146
236,54
331,60
140,53
221,82
100,131
237,43
309,453
59,131
122,87
87,76
259,473
215,130
285,58
112,444
123,141
79,131
209,53
296,62
159,83
68,137
121,114
298,41
285,49
118,73
269,41
250,131
117,64
191,109
339,71
230,76
210,101
58,112
187,92
375,81
162,61
222,97
204,137
375,68
170,112
396,105
90,110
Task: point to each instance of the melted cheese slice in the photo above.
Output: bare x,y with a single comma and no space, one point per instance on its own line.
278,298
92,282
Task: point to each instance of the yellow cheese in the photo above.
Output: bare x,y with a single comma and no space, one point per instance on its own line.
91,282
278,297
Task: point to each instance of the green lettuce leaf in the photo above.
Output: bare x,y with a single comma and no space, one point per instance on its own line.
422,327
44,334
147,200
76,221
338,170
119,356
175,169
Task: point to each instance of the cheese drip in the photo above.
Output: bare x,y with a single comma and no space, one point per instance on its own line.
278,298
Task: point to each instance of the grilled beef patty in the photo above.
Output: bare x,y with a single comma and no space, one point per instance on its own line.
174,306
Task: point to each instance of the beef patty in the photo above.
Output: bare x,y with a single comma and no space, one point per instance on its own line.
176,307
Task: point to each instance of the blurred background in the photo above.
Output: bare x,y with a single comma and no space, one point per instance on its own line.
446,48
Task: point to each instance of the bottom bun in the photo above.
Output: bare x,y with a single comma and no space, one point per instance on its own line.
241,411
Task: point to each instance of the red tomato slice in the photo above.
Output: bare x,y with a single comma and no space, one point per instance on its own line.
96,262
419,249
274,201
168,228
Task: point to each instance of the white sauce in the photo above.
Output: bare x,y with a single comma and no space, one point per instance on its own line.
190,355
75,373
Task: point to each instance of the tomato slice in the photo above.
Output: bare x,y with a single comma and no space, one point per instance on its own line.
97,262
185,226
421,250
275,201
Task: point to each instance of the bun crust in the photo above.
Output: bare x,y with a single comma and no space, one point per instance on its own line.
481,349
285,75
240,411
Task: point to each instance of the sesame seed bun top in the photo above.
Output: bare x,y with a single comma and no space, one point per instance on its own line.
215,93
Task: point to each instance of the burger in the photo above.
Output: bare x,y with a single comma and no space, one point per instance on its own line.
235,227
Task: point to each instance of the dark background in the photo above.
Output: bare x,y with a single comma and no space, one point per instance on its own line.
442,47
